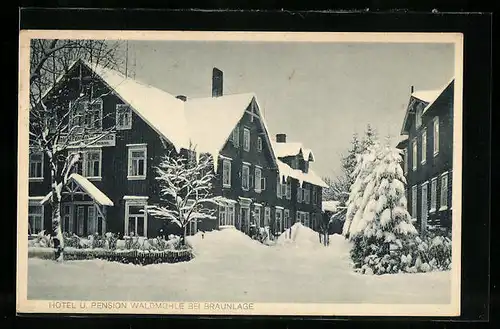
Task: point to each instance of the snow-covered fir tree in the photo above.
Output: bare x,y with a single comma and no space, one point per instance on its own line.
185,188
381,229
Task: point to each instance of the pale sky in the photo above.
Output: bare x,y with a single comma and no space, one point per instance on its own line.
317,93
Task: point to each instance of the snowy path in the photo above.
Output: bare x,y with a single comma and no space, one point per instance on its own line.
231,267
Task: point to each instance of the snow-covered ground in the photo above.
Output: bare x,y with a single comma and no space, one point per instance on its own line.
230,267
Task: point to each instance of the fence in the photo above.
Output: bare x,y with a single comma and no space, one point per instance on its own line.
138,257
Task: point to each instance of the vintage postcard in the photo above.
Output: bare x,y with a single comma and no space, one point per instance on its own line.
239,173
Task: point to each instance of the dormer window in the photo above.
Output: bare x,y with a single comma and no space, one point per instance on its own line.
259,144
246,139
86,114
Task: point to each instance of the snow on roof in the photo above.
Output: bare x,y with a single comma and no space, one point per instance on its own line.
441,90
212,119
292,149
97,195
161,110
426,95
309,177
331,205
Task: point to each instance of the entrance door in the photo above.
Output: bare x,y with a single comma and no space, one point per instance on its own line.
245,219
88,221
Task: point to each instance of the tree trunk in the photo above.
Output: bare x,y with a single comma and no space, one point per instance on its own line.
56,233
184,234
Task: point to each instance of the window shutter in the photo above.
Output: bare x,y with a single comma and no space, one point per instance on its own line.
263,183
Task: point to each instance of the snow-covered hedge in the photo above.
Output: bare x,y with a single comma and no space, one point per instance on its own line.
136,250
432,252
139,257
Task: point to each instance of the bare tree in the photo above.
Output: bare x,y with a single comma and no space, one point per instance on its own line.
63,119
185,190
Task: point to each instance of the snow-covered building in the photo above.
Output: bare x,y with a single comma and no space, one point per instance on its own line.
427,146
115,177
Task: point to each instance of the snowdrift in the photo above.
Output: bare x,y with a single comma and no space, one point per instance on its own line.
227,238
301,237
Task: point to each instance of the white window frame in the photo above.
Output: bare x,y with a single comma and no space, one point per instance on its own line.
418,117
120,110
258,179
259,143
267,216
435,135
414,154
433,195
307,195
443,195
39,216
288,189
226,166
31,162
414,201
279,219
286,217
257,214
423,146
86,160
246,139
235,136
405,165
299,194
137,147
245,178
136,202
80,228
424,205
279,193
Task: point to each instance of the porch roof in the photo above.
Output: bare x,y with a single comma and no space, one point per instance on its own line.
97,195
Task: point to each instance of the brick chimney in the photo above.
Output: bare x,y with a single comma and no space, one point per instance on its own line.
217,82
181,97
280,138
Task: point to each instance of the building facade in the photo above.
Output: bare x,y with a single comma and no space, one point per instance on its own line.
428,156
114,179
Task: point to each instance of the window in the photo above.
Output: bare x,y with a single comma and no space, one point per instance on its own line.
444,192
256,215
433,194
135,218
86,114
259,143
226,173
435,124
246,139
424,209
307,195
36,166
137,158
306,220
278,187
283,190
279,220
245,177
418,119
299,194
414,154
92,160
263,183
67,220
287,218
424,146
123,117
80,217
35,217
314,195
414,201
226,215
267,216
258,179
288,190
236,136
91,221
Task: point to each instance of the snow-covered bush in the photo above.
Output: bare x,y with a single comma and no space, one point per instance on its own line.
111,240
42,239
71,240
97,241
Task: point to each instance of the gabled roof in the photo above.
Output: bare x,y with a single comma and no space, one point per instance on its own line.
427,97
97,195
293,149
202,124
